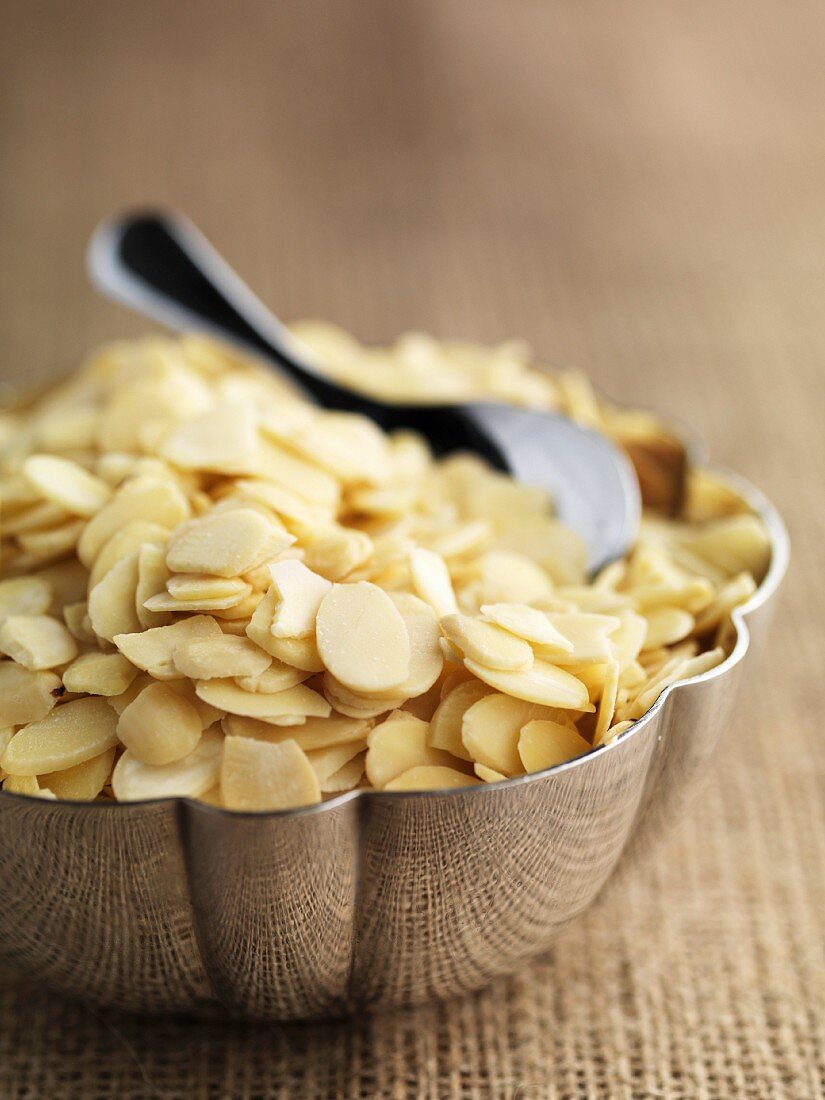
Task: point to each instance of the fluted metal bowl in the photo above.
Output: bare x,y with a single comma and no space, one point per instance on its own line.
372,900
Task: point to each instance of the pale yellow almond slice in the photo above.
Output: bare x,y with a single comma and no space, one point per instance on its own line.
490,731
208,714
160,726
326,762
256,775
202,586
733,594
147,498
629,640
507,577
349,447
24,596
225,544
37,641
240,614
543,683
428,778
362,639
694,595
593,677
671,672
300,592
276,677
426,658
16,491
295,702
288,506
140,403
543,744
599,601
152,577
105,674
69,735
83,782
223,440
487,643
285,468
65,483
666,626
431,579
112,604
6,734
300,653
528,623
43,546
221,657
131,537
212,797
464,539
633,676
734,544
450,652
78,624
190,777
398,744
163,601
589,634
354,705
42,517
616,731
26,696
22,784
346,778
488,775
313,734
703,662
607,703
335,552
58,432
153,650
445,726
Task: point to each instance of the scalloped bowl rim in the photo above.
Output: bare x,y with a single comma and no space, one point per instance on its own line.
780,553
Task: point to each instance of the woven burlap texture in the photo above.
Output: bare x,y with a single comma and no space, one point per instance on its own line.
639,191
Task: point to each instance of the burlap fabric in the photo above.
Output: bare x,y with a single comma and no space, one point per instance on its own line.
638,189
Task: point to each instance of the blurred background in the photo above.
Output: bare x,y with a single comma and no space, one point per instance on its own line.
637,189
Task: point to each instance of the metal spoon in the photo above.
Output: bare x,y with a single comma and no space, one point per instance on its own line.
158,264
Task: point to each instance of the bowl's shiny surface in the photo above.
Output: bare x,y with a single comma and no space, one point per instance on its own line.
371,900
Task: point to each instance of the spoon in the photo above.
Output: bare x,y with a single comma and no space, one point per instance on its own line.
158,264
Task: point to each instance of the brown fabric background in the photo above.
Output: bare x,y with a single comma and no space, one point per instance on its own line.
639,189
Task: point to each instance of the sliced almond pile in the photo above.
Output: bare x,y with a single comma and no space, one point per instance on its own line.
210,588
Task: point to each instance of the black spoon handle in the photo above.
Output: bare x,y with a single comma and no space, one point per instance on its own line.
160,265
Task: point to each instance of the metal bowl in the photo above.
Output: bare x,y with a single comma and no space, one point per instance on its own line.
371,900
